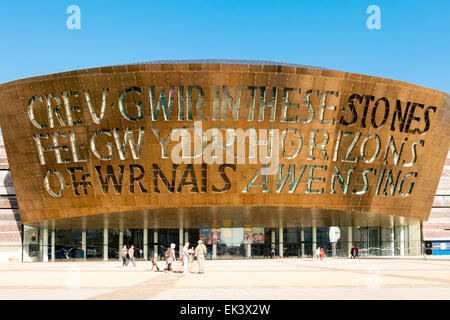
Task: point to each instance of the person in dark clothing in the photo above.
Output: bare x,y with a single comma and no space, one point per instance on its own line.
356,252
124,256
352,252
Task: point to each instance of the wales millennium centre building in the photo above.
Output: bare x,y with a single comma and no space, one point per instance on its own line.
246,155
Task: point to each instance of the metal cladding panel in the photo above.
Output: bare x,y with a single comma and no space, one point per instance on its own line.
108,140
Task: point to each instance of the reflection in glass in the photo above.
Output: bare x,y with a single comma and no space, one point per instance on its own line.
94,244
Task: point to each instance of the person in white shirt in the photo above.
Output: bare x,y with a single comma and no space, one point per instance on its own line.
185,257
318,253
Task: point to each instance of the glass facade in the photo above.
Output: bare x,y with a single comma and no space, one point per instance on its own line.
223,242
94,244
67,244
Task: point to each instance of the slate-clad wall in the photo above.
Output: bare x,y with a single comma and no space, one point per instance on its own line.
438,225
10,225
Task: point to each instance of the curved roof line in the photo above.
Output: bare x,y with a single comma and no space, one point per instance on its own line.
229,61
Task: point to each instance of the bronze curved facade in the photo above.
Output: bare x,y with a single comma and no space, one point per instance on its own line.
165,145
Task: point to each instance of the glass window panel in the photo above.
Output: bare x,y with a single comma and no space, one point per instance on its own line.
94,244
374,241
31,244
308,234
238,236
291,235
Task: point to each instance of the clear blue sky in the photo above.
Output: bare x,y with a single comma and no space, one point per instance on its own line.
413,44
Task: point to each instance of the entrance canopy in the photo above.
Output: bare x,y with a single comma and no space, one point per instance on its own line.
229,216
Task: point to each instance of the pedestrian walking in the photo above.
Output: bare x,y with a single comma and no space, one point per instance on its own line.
352,252
155,262
272,253
317,254
185,257
131,255
322,254
124,256
170,256
191,255
356,252
200,252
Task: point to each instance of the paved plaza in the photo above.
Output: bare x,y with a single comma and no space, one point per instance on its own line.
365,278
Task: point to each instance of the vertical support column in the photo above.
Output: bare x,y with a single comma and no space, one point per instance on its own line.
302,239
120,244
180,238
53,244
272,239
406,240
45,246
186,238
280,241
392,237
248,250
333,249
314,239
414,238
402,241
145,242
214,251
155,242
83,244
349,239
105,244
41,244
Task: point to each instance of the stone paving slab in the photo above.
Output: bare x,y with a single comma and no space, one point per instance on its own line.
341,293
49,294
365,278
